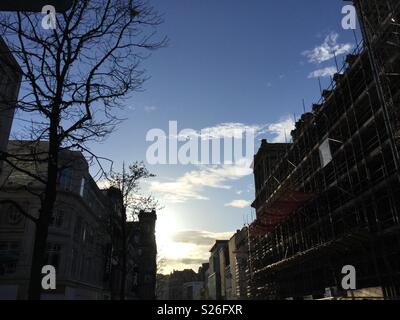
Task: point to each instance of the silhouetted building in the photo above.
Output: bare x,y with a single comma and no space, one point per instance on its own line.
225,272
192,290
142,256
202,271
214,277
162,287
10,81
331,199
85,235
173,285
238,255
114,243
77,238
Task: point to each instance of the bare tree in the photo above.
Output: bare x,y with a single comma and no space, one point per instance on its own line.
161,264
127,182
75,78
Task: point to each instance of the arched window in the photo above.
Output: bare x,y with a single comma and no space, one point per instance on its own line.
14,216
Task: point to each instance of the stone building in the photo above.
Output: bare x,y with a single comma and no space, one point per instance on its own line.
10,81
214,277
142,257
77,239
331,199
238,255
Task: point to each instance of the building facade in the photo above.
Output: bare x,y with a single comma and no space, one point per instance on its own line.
142,257
179,285
193,290
330,198
85,235
214,282
77,238
238,256
10,81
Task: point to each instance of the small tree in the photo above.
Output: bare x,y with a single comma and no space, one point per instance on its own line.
75,77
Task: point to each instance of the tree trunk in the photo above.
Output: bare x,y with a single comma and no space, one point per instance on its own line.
123,256
45,214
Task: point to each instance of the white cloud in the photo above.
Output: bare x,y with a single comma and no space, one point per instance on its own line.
281,130
238,204
191,185
200,237
226,130
324,72
191,248
150,109
327,50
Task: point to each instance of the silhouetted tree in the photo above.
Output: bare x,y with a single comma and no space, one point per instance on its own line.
75,77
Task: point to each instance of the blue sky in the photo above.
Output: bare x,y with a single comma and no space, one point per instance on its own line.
228,61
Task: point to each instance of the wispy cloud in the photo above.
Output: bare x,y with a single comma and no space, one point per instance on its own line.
238,204
226,130
199,237
192,248
191,185
327,50
149,109
324,72
281,130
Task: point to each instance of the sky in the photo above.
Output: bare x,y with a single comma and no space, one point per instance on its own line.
229,64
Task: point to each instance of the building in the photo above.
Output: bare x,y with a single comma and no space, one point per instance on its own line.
162,288
214,278
238,256
330,198
114,244
225,272
193,290
77,237
179,285
203,274
10,81
85,236
142,257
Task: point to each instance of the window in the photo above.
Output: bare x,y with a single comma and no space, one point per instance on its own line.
74,262
13,216
82,188
57,219
53,254
325,153
89,234
78,228
65,179
9,253
85,232
148,278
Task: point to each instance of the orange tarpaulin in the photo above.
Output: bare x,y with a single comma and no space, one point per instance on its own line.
274,214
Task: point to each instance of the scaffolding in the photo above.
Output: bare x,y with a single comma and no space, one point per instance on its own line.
316,215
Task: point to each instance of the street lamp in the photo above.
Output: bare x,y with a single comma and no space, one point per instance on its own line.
34,5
